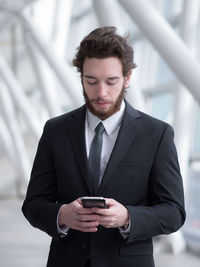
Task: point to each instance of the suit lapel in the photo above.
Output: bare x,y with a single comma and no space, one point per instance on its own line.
130,126
77,136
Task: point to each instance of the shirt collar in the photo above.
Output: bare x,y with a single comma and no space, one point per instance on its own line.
110,124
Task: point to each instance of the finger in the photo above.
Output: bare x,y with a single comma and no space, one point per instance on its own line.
106,220
88,217
87,224
110,201
109,224
79,200
85,217
85,210
78,208
104,212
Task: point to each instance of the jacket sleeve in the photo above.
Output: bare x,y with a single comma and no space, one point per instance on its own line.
40,206
165,212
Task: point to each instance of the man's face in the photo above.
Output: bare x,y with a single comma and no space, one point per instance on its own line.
104,85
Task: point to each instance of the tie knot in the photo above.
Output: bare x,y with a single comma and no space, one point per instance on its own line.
100,128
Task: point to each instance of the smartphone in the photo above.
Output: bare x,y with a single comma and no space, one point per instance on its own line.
90,202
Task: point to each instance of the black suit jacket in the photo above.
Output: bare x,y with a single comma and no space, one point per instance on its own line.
142,174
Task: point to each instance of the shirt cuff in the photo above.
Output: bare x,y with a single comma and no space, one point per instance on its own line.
62,229
125,230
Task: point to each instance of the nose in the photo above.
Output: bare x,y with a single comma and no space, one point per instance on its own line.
102,90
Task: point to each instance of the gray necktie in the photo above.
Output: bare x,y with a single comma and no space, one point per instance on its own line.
95,157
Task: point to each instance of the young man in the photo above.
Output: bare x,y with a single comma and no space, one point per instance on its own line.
105,148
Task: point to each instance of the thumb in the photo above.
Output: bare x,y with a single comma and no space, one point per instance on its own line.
110,202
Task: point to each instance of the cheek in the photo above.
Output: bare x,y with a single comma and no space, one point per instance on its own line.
87,89
117,90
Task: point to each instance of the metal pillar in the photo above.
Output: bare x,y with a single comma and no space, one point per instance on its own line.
184,110
9,20
61,26
7,142
20,98
18,142
135,96
47,88
167,42
64,72
108,14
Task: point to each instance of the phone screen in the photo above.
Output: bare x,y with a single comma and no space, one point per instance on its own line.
90,202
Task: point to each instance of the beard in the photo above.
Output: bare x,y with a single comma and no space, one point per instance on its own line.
104,114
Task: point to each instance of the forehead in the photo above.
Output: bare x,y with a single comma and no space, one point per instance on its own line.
107,67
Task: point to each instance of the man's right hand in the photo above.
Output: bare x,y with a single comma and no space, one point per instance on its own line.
74,216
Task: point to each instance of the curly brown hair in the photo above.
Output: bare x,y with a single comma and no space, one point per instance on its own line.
102,43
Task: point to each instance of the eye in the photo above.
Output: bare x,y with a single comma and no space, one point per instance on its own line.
111,83
91,83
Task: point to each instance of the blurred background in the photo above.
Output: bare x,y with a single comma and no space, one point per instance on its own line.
38,40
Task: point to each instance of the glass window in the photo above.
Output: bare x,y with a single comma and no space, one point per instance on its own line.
196,144
162,105
192,225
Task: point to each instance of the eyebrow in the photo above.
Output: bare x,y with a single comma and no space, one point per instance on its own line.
113,78
109,78
89,77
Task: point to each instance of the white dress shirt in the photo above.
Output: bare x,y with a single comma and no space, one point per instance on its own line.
112,126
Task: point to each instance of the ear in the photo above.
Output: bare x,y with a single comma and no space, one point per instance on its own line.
127,79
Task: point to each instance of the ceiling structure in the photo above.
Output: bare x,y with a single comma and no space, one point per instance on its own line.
37,81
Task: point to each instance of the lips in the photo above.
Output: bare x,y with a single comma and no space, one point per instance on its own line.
101,103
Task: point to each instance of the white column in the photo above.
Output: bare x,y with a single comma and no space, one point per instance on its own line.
7,19
184,110
167,42
108,14
134,95
19,147
64,72
45,80
20,98
62,19
8,143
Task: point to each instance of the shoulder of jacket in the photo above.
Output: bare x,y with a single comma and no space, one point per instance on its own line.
64,118
154,122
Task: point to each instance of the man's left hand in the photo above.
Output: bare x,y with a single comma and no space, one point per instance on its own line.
115,216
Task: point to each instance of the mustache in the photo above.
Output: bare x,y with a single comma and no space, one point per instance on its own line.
99,99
